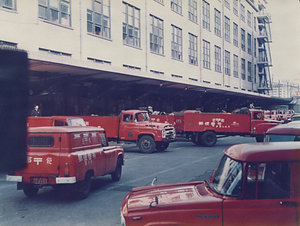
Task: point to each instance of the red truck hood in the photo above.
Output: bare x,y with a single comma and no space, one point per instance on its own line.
172,196
158,125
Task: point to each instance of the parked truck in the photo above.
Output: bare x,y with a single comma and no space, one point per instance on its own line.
135,126
67,157
203,128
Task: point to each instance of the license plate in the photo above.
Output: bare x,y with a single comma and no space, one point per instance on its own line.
39,180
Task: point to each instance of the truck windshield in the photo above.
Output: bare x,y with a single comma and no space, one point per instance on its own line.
76,122
142,117
281,137
227,177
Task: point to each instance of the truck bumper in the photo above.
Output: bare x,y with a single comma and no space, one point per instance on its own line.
169,140
14,178
65,180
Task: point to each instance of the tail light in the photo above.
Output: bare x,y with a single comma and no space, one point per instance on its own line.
67,170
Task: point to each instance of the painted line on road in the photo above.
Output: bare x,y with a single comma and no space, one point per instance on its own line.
159,173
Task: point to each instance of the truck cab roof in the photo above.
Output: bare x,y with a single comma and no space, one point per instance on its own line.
264,152
64,129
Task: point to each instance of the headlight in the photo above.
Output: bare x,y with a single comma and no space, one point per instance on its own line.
123,221
163,135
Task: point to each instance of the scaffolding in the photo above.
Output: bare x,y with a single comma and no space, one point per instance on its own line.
264,54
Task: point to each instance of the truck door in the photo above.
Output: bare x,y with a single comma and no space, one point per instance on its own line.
268,198
127,126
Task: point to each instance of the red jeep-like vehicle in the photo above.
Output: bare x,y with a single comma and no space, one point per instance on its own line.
253,184
135,126
67,156
55,121
203,128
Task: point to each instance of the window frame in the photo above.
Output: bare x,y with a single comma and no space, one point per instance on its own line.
227,65
206,15
218,57
227,28
4,5
193,49
206,55
176,6
235,66
155,32
176,43
218,22
131,33
48,14
192,11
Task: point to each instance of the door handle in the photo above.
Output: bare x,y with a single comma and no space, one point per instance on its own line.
288,203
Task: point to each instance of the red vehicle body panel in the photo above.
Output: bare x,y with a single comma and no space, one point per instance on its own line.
194,121
109,123
197,203
177,121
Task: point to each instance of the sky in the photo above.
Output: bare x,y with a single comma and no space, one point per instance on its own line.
285,46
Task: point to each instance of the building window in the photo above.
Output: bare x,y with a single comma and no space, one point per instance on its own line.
254,22
254,47
243,69
176,5
243,39
218,59
227,63
176,43
249,72
193,49
206,15
193,10
156,35
242,13
235,7
235,66
227,4
235,34
98,18
131,25
206,54
249,44
254,74
217,23
227,29
56,11
8,4
249,18
160,1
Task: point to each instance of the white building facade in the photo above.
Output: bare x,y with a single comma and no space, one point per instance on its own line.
196,42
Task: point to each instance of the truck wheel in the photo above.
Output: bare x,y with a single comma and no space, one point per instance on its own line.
146,144
195,140
161,146
208,139
259,138
116,175
85,186
30,191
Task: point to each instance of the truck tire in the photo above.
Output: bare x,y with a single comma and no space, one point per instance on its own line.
84,186
116,175
30,191
259,138
208,139
196,139
161,146
146,144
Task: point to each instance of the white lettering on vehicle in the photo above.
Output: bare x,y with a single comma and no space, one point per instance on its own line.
38,160
49,161
29,159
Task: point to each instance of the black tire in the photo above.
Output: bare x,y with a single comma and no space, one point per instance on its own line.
196,139
161,146
146,144
30,191
116,175
84,186
259,138
208,139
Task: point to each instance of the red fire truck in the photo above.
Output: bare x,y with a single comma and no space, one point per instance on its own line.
135,126
203,128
